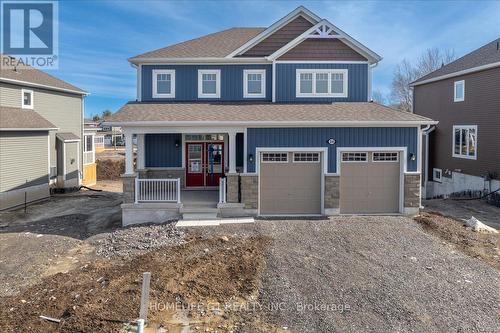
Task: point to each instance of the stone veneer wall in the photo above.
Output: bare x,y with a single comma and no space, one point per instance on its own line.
249,191
128,188
164,173
232,187
332,192
412,191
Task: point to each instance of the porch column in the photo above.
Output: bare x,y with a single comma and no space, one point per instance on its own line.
232,152
140,152
129,154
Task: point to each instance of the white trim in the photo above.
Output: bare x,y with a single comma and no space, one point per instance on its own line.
274,82
30,84
455,84
262,72
348,40
461,127
462,72
170,72
139,82
64,160
319,62
200,60
437,179
299,11
314,72
245,152
217,83
324,168
32,99
28,129
198,124
48,154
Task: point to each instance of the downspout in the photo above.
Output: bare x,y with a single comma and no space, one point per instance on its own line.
426,131
370,83
138,81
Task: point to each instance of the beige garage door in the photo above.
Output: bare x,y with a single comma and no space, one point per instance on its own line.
290,183
369,182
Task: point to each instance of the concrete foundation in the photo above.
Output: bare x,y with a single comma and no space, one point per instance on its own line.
149,213
457,183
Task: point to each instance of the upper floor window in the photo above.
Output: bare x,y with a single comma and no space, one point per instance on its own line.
321,82
465,141
27,99
163,83
459,91
254,83
209,83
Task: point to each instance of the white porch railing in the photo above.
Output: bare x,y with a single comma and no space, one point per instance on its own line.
222,190
158,190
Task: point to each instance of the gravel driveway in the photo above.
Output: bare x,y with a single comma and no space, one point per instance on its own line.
383,274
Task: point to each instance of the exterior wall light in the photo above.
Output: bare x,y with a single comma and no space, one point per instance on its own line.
177,143
413,157
250,158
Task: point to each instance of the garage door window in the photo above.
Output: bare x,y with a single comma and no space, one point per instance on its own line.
274,157
305,157
385,157
354,157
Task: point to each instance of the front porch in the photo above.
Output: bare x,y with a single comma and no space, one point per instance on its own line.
182,173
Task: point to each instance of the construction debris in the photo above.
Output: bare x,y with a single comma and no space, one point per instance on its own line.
478,226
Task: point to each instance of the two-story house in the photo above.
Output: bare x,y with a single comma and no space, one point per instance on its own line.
278,120
41,131
462,152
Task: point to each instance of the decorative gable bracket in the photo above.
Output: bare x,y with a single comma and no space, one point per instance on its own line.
323,31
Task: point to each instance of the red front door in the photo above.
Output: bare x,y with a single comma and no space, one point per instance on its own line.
204,163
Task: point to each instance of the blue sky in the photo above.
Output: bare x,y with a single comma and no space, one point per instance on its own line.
97,37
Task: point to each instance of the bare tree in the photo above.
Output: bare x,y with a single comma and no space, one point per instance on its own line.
378,97
406,72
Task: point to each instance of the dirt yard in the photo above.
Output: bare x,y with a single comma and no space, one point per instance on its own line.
69,259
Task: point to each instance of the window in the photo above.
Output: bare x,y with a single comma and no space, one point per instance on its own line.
437,174
254,83
321,83
275,157
354,157
27,99
465,142
163,83
459,91
209,83
385,157
305,157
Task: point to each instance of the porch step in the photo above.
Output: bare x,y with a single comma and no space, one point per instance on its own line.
199,209
200,216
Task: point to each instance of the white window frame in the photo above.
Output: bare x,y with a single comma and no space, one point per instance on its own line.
385,152
217,83
455,98
344,72
316,157
437,179
32,99
353,152
274,153
262,72
156,72
462,127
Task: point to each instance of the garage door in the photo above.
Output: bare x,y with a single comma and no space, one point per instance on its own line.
369,182
290,183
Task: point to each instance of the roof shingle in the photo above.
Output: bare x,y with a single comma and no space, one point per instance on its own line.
485,55
17,118
216,45
262,112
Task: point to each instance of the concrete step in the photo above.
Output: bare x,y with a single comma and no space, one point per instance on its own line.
199,209
200,216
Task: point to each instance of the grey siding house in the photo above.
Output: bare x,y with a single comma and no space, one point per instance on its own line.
462,152
274,121
41,129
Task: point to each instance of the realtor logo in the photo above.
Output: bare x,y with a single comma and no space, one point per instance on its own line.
30,32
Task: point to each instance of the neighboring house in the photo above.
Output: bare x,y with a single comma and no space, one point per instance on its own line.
112,135
463,151
278,120
41,126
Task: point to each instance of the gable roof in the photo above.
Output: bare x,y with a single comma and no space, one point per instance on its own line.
15,119
216,45
482,58
217,114
27,75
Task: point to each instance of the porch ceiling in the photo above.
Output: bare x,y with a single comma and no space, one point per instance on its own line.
255,113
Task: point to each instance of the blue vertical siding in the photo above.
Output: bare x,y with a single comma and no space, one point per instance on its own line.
286,78
186,82
345,137
161,151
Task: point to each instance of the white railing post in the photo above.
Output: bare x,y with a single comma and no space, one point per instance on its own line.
222,190
136,189
178,190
